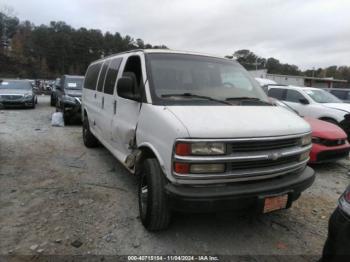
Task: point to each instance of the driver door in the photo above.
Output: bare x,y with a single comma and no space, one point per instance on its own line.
126,114
293,98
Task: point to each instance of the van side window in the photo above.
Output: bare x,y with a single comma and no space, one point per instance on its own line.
101,79
294,96
133,69
111,76
91,76
277,93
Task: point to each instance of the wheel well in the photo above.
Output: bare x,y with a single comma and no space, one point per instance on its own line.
146,153
329,119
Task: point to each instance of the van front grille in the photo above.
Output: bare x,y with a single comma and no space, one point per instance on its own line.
246,165
246,146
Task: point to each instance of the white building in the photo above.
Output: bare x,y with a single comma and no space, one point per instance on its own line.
319,82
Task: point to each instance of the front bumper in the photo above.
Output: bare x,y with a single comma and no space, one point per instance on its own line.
323,154
72,109
234,196
17,103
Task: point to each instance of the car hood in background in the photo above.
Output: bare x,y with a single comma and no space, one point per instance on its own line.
75,93
326,130
238,121
340,106
14,91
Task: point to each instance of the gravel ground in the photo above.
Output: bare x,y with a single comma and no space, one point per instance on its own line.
58,197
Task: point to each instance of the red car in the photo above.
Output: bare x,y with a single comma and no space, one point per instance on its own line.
329,141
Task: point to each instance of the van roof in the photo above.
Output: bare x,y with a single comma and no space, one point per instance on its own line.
165,51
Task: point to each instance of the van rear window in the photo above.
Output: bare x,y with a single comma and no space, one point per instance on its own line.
91,76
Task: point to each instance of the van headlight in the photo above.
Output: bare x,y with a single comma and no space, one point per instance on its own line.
200,148
306,140
207,168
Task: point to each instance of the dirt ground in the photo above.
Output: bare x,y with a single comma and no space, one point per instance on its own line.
58,197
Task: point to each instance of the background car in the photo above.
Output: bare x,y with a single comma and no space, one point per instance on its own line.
337,246
17,93
342,93
53,97
68,95
315,103
329,142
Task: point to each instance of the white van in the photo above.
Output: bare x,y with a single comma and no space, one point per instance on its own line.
197,130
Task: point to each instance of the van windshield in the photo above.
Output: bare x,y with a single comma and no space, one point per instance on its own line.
193,78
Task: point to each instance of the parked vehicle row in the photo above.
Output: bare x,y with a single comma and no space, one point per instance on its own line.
329,141
342,93
198,131
315,103
17,93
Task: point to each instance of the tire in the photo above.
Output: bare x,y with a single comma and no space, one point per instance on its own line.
89,139
33,106
153,203
67,119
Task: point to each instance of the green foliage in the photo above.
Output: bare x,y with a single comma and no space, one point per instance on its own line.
47,51
251,62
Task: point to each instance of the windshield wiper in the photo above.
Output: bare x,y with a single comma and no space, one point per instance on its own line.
247,98
199,96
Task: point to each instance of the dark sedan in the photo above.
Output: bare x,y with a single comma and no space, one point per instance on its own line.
68,96
337,247
17,93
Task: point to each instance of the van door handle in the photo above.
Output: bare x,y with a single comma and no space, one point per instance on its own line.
115,106
103,102
95,95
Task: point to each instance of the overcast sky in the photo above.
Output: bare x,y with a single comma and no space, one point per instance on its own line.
312,33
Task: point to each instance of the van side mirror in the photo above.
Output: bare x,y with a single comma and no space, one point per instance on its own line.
126,88
304,101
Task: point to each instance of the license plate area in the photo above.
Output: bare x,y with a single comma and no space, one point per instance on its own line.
274,203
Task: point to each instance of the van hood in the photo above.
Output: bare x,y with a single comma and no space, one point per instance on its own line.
238,121
340,106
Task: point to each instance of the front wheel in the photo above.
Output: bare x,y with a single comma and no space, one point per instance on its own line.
33,104
153,204
89,139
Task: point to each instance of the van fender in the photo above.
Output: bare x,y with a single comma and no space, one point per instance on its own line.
147,148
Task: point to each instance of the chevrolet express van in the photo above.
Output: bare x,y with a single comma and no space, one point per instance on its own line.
197,130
